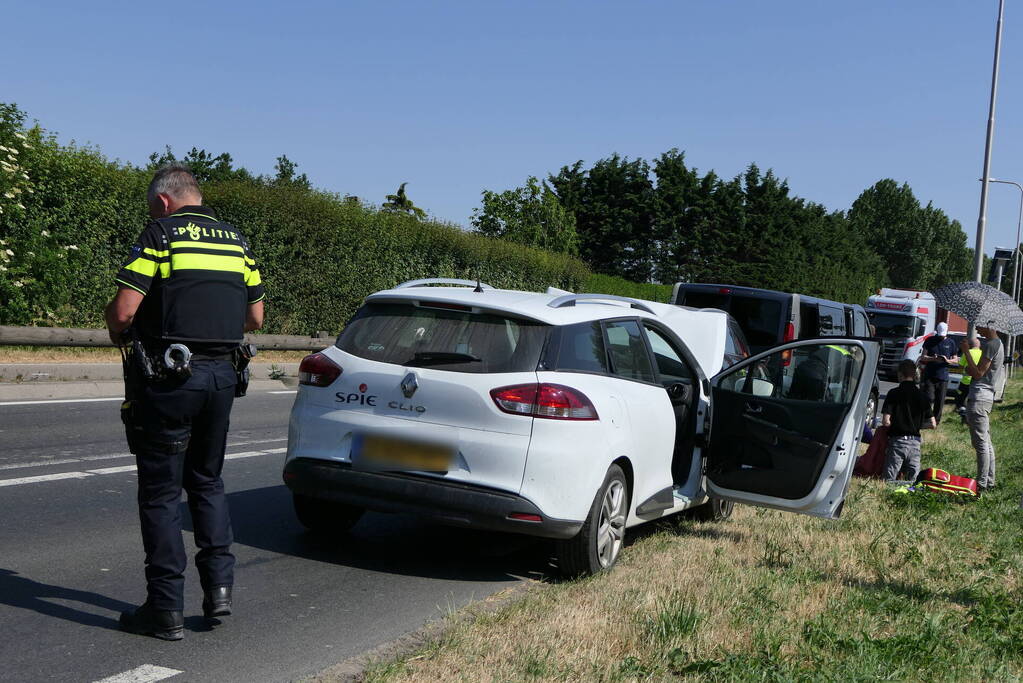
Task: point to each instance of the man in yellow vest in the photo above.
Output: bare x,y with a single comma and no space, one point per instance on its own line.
964,383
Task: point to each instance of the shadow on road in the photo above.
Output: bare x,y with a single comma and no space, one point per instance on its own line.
396,544
19,591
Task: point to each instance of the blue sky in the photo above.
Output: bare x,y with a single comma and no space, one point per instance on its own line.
455,97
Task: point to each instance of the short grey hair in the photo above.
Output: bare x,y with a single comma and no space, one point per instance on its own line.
175,180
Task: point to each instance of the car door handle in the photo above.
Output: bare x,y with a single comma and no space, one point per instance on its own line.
754,408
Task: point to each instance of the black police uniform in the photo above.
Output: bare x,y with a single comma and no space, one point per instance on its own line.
198,276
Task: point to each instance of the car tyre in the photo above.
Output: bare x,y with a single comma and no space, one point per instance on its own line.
871,416
325,516
599,543
714,510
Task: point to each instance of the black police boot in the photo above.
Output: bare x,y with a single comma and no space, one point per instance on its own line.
146,621
216,602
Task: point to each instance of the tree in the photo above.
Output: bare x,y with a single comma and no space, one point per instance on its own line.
682,223
205,166
919,246
613,205
400,203
530,215
285,169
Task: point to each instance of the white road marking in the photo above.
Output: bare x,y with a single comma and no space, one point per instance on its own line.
93,400
44,477
250,454
147,673
108,456
60,400
42,463
112,470
117,470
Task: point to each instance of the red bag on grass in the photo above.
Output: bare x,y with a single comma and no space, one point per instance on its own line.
940,480
871,463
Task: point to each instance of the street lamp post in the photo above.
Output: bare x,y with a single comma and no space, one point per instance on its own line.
978,256
1016,261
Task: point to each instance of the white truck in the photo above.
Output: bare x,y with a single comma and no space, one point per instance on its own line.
903,319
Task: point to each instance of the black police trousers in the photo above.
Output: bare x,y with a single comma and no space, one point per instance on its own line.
178,432
934,390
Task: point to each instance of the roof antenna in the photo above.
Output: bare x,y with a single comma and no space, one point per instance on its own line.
479,286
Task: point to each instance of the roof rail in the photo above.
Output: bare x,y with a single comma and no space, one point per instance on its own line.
442,281
571,299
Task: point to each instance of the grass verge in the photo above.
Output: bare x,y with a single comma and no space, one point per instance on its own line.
903,587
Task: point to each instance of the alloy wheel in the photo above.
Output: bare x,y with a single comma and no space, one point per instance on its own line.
611,529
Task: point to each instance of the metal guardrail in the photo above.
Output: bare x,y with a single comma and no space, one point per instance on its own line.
72,336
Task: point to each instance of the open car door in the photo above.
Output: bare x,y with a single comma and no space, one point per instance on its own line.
786,424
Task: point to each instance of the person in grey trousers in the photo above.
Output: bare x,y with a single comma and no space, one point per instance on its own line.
906,409
981,399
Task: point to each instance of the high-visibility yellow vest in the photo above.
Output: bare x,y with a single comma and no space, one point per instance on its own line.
975,354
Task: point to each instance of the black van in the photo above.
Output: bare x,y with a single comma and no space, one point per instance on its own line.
769,318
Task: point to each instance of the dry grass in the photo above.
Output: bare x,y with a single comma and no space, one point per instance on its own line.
72,354
904,586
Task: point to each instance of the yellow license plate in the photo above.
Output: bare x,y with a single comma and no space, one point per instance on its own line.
386,453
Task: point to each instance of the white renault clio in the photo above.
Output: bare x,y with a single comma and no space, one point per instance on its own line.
568,416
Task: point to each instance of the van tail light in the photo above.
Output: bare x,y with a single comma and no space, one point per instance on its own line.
790,335
317,370
550,401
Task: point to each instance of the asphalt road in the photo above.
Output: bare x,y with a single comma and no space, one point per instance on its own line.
71,560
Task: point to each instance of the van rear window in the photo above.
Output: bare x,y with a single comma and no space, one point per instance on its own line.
760,319
442,338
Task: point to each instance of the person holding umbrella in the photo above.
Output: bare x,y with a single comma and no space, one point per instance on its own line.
991,311
982,398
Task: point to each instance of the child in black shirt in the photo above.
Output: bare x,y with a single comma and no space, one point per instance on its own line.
905,410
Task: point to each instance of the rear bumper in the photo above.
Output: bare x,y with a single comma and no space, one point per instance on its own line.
449,502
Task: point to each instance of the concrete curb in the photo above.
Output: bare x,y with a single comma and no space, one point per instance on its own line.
35,373
43,391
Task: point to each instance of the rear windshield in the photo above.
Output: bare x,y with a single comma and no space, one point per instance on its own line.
760,319
455,340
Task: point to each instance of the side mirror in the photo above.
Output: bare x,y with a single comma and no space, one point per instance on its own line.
762,387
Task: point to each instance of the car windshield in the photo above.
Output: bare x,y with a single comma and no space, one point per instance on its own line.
446,338
896,326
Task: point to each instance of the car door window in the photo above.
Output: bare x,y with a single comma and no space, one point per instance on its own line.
819,373
629,357
735,345
831,321
670,365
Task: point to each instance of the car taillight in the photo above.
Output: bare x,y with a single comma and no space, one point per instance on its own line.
550,401
790,335
316,370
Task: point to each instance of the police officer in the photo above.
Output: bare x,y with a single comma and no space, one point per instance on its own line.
189,286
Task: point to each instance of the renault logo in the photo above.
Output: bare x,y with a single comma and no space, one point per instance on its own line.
409,385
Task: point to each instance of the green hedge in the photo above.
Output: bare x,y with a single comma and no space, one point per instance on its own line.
610,284
320,255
